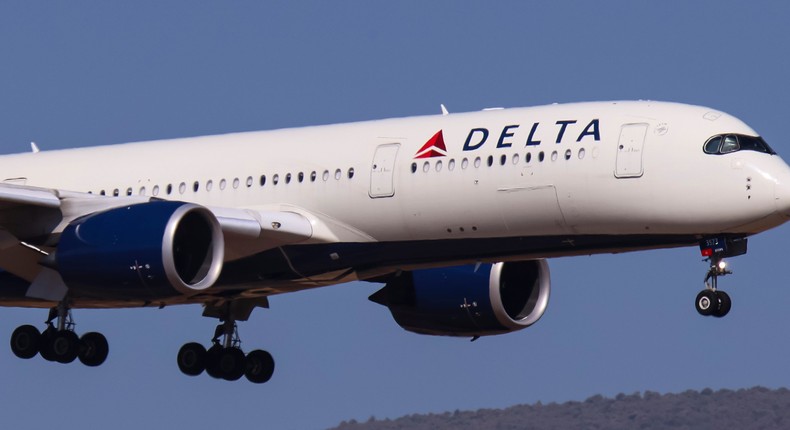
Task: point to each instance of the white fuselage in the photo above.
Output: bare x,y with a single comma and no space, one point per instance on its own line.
555,170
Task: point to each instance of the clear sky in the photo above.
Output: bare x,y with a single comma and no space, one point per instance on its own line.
90,73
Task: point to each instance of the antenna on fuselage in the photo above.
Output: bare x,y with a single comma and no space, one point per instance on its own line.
444,110
34,147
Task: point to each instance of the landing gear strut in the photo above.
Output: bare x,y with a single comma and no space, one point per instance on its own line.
225,359
711,301
58,342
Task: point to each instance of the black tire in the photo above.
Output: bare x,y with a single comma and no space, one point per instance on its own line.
65,346
707,302
24,341
45,344
260,366
725,304
212,361
231,364
93,349
192,359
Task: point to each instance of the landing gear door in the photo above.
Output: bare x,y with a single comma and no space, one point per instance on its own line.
382,171
629,151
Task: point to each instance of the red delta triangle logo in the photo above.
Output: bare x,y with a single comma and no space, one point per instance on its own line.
434,147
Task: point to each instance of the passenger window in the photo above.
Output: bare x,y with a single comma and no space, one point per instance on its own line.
730,144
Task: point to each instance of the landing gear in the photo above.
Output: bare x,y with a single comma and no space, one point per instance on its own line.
225,359
711,301
58,342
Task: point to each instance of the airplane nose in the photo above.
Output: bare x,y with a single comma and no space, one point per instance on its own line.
782,198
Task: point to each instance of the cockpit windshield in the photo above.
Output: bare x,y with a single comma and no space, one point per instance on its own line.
727,143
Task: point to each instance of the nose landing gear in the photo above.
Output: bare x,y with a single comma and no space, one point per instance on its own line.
711,301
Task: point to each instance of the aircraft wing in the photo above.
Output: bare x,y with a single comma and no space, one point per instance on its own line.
31,220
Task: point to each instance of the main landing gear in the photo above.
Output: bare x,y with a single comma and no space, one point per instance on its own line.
58,342
225,359
711,301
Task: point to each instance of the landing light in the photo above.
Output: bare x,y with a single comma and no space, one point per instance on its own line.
722,265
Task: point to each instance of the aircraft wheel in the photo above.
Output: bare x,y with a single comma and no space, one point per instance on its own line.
64,346
260,366
725,304
212,361
45,344
93,349
231,363
24,341
707,302
192,359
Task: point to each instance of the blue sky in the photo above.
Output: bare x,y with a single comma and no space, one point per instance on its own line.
90,73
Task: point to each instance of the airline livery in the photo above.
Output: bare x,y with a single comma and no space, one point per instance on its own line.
455,214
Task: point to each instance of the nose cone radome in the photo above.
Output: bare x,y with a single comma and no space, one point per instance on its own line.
781,175
782,196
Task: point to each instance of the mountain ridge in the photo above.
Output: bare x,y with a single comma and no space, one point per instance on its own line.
745,409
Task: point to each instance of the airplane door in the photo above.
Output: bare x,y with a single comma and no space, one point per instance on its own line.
629,151
382,171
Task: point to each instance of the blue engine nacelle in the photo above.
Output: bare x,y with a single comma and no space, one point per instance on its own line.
472,300
142,251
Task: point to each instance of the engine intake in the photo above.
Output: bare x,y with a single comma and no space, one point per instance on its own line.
471,300
146,250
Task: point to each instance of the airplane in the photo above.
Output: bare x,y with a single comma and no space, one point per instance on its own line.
455,214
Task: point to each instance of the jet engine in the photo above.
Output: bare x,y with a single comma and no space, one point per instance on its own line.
147,250
470,300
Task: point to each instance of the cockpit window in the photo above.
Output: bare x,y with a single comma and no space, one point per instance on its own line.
725,144
730,144
712,147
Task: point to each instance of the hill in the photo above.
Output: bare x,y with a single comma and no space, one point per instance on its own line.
745,409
